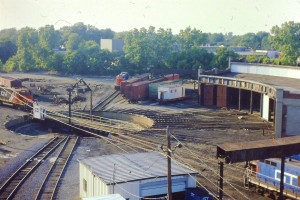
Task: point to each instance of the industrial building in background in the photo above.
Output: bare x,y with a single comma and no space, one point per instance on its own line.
271,90
112,45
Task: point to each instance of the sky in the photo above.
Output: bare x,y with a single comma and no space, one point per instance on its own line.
214,16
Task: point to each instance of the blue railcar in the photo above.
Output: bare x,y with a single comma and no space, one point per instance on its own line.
266,174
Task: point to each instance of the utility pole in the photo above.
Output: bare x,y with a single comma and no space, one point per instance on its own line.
70,99
221,168
281,186
91,105
199,85
169,164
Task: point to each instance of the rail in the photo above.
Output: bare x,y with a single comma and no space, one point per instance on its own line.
13,183
101,104
49,186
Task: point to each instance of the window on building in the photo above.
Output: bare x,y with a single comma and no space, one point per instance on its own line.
175,90
84,185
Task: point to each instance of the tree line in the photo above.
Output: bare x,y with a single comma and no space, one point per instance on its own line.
76,49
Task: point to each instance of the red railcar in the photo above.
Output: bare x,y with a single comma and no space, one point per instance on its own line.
140,90
131,81
171,77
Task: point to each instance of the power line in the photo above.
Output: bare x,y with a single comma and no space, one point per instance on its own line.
108,140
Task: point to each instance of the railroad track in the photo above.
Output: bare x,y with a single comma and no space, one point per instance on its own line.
192,121
10,187
101,104
49,186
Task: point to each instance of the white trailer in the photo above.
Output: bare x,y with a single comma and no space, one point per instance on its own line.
171,93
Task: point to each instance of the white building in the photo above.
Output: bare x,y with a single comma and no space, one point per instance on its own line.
132,176
112,45
171,92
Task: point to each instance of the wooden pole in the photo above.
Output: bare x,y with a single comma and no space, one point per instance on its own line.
221,166
70,99
251,102
169,164
240,98
91,105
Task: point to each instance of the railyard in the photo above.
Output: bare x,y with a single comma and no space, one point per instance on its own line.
198,128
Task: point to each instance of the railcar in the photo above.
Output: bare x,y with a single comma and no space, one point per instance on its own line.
21,98
123,76
266,174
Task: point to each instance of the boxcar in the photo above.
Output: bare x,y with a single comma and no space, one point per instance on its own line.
123,83
140,90
170,77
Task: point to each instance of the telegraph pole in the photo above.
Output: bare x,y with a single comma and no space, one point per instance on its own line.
169,164
91,105
70,102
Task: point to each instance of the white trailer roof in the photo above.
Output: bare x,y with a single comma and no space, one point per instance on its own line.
119,168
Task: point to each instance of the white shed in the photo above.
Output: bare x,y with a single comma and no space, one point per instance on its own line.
132,176
171,92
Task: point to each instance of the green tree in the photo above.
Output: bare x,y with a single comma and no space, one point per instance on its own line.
73,42
10,34
7,50
250,40
253,58
189,38
55,62
27,47
216,39
263,38
286,39
222,56
191,59
146,48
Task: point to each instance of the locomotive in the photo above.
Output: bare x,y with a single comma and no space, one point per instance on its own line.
266,174
12,93
123,76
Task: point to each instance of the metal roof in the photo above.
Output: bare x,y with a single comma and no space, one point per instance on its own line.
288,84
262,149
119,168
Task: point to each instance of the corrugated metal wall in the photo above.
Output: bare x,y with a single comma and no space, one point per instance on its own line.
221,96
208,99
95,186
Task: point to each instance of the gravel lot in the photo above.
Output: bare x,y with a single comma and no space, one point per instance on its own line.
17,146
